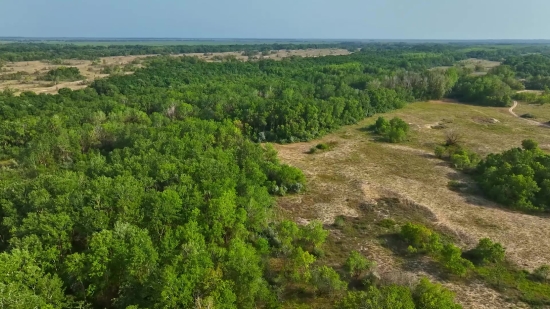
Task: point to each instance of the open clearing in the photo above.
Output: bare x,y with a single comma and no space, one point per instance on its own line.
93,71
359,174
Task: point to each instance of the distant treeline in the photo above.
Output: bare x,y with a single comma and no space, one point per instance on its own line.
45,51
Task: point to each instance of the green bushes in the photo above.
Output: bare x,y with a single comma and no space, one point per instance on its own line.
425,295
356,265
327,281
322,147
423,240
485,261
393,131
532,97
429,295
487,252
517,178
63,74
489,90
460,158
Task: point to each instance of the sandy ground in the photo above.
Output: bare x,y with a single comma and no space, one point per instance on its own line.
361,169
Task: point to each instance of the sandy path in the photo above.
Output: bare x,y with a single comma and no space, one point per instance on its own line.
533,122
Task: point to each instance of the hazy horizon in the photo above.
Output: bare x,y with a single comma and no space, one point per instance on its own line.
287,19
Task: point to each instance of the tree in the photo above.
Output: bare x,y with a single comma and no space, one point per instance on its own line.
356,264
23,284
327,281
313,234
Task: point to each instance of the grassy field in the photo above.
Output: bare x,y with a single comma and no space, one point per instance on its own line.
541,112
367,182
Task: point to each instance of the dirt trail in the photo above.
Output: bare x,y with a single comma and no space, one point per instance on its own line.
533,122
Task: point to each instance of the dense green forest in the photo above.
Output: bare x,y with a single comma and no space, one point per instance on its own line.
154,190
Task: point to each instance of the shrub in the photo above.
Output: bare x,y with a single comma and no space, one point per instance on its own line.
464,159
382,126
356,264
394,131
529,144
322,146
451,257
487,251
339,222
327,281
313,234
398,130
452,138
542,273
440,151
429,295
421,238
63,74
387,223
388,297
456,185
529,116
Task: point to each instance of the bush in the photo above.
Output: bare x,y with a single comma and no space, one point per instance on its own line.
327,281
440,151
356,264
451,257
429,295
530,116
542,273
339,222
456,185
313,234
63,74
452,138
464,159
388,297
394,131
529,144
382,126
421,238
322,146
487,251
387,223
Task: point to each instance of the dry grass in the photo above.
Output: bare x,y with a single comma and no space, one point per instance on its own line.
91,72
541,112
485,64
360,171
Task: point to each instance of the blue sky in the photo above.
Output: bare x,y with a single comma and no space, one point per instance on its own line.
359,19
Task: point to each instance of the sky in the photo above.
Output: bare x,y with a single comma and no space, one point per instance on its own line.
299,19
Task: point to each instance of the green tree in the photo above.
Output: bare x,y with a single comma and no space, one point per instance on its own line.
327,281
23,284
356,264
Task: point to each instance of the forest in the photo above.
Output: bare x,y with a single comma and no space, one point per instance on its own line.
157,189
